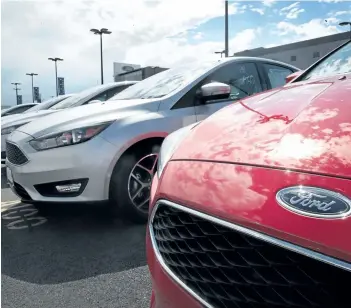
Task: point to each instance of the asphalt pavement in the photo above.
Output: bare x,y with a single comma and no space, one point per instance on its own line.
70,257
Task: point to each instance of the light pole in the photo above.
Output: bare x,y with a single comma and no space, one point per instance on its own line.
346,23
55,60
16,89
101,32
226,34
220,52
32,75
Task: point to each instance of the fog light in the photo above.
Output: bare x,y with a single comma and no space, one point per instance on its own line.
69,188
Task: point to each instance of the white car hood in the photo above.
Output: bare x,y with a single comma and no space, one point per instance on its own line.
18,119
86,115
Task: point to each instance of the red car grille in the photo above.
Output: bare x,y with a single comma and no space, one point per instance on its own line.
227,268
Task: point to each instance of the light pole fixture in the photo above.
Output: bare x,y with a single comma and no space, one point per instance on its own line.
32,75
55,60
101,32
220,52
346,23
16,89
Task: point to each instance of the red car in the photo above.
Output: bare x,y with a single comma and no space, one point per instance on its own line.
251,207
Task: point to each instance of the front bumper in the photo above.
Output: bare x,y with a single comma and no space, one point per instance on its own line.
90,161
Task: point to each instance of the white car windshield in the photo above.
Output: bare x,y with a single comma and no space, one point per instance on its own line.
47,104
77,98
165,82
338,62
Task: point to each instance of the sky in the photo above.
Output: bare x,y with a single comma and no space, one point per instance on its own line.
159,33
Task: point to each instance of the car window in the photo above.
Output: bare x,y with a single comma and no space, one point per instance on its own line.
276,74
100,97
104,96
47,104
114,91
243,79
76,99
18,110
339,62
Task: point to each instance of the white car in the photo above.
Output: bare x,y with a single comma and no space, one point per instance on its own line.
90,95
108,151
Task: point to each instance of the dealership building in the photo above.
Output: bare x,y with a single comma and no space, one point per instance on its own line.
300,54
131,72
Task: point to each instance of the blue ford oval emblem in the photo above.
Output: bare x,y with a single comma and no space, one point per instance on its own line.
315,202
128,68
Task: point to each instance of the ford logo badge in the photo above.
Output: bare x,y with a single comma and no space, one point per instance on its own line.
314,202
128,68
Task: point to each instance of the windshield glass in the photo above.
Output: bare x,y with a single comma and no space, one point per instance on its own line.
47,104
337,63
17,109
165,82
77,98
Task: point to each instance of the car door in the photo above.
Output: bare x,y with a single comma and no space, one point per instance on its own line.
244,80
275,74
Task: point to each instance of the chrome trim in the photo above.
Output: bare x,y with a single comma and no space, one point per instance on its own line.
7,161
292,247
334,194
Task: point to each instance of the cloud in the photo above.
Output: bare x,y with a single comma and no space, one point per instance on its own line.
198,36
32,31
269,2
331,1
312,29
172,52
292,11
340,13
291,6
257,10
332,20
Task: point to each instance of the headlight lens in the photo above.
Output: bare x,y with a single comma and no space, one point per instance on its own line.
74,136
169,146
10,129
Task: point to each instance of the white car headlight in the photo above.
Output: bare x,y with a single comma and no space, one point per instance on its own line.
70,137
10,129
170,144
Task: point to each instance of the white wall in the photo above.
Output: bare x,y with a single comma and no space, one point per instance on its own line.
304,56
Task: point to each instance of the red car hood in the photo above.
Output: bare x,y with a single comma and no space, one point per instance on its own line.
304,126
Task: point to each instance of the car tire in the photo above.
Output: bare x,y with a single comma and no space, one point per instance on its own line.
121,190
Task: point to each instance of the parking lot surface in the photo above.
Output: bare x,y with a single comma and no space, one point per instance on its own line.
70,257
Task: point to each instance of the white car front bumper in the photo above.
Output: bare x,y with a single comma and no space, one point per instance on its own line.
89,163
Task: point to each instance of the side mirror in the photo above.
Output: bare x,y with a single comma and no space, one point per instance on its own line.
94,101
214,90
293,76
